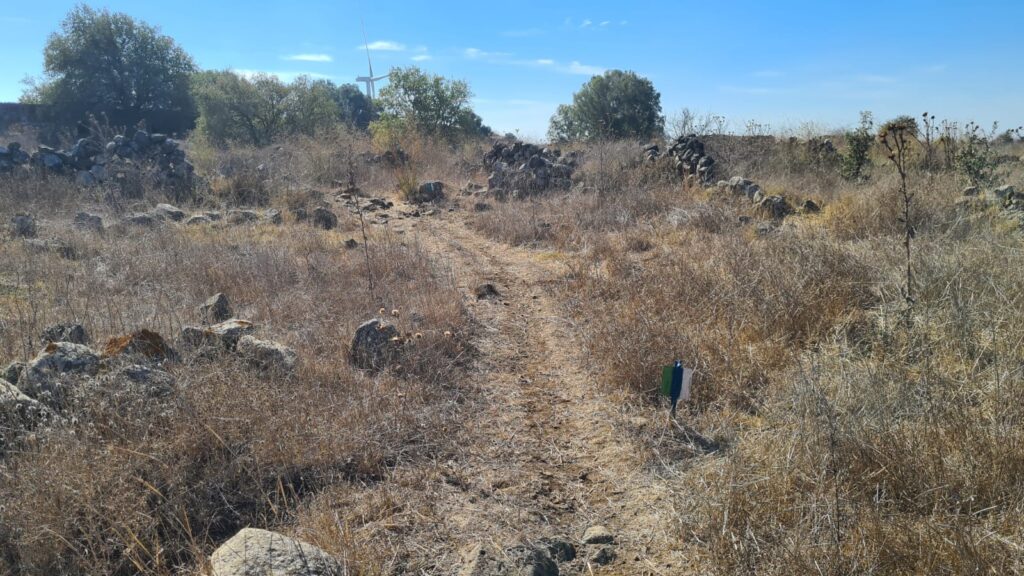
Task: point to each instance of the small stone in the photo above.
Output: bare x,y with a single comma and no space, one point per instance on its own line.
324,218
223,335
351,244
254,552
23,226
169,212
74,333
144,343
215,309
242,216
266,354
598,535
197,220
602,556
970,191
486,291
374,345
140,219
273,216
88,222
809,207
428,192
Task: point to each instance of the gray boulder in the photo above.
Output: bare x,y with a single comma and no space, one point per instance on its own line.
325,219
198,219
140,219
375,345
12,373
273,215
88,222
18,414
237,216
598,535
222,335
23,226
775,207
266,355
58,365
168,212
255,552
1004,192
139,380
215,309
433,191
74,333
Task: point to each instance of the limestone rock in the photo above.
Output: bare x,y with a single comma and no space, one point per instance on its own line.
324,218
48,373
74,333
255,552
480,560
266,354
222,335
23,226
598,535
242,216
142,343
168,212
215,309
374,345
88,222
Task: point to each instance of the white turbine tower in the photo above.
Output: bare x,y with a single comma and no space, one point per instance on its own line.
369,80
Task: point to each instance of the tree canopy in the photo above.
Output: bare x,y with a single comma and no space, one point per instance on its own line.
616,104
259,110
103,62
432,105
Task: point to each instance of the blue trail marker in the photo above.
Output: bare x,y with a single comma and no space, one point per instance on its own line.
675,383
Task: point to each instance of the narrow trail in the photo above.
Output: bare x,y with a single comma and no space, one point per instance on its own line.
547,455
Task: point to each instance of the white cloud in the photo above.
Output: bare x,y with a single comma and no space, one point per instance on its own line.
586,23
309,58
478,54
384,46
545,62
605,23
422,57
583,69
875,79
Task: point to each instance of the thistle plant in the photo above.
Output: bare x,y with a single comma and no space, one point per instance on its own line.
896,137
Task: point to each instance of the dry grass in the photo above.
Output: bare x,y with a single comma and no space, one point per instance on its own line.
142,485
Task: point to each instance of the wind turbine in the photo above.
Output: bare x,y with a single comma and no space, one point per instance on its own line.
369,80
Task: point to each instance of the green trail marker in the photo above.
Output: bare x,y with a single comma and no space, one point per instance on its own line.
675,383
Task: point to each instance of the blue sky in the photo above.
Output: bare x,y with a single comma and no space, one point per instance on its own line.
782,63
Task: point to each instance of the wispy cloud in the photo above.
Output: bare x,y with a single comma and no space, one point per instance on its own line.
584,69
309,58
422,57
478,54
587,23
545,62
605,23
283,75
384,46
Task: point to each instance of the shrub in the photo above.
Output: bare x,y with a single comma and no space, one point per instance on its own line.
858,153
614,105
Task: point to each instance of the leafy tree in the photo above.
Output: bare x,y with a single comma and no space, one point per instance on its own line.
103,62
616,104
260,110
354,107
431,105
858,154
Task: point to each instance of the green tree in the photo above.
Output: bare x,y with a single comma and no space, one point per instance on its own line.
103,62
616,104
260,110
858,154
354,107
431,105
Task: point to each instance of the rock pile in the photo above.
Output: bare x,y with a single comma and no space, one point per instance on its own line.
253,551
1006,199
90,162
690,159
772,206
522,169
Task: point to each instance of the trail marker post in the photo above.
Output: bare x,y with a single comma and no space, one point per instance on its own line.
675,383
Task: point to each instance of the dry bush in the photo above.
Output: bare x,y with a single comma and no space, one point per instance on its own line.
142,485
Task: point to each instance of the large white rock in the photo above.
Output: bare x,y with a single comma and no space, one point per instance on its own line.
255,552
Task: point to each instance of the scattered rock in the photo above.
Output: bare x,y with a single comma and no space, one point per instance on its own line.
198,219
42,378
740,186
273,215
140,219
299,214
237,216
486,291
775,207
561,549
266,354
481,207
324,218
74,333
598,535
602,556
51,246
428,192
351,244
168,212
255,552
970,191
1004,192
374,345
18,414
140,380
478,560
215,309
88,222
23,226
12,373
809,207
690,159
223,335
144,343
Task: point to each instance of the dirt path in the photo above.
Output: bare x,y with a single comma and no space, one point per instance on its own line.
548,456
